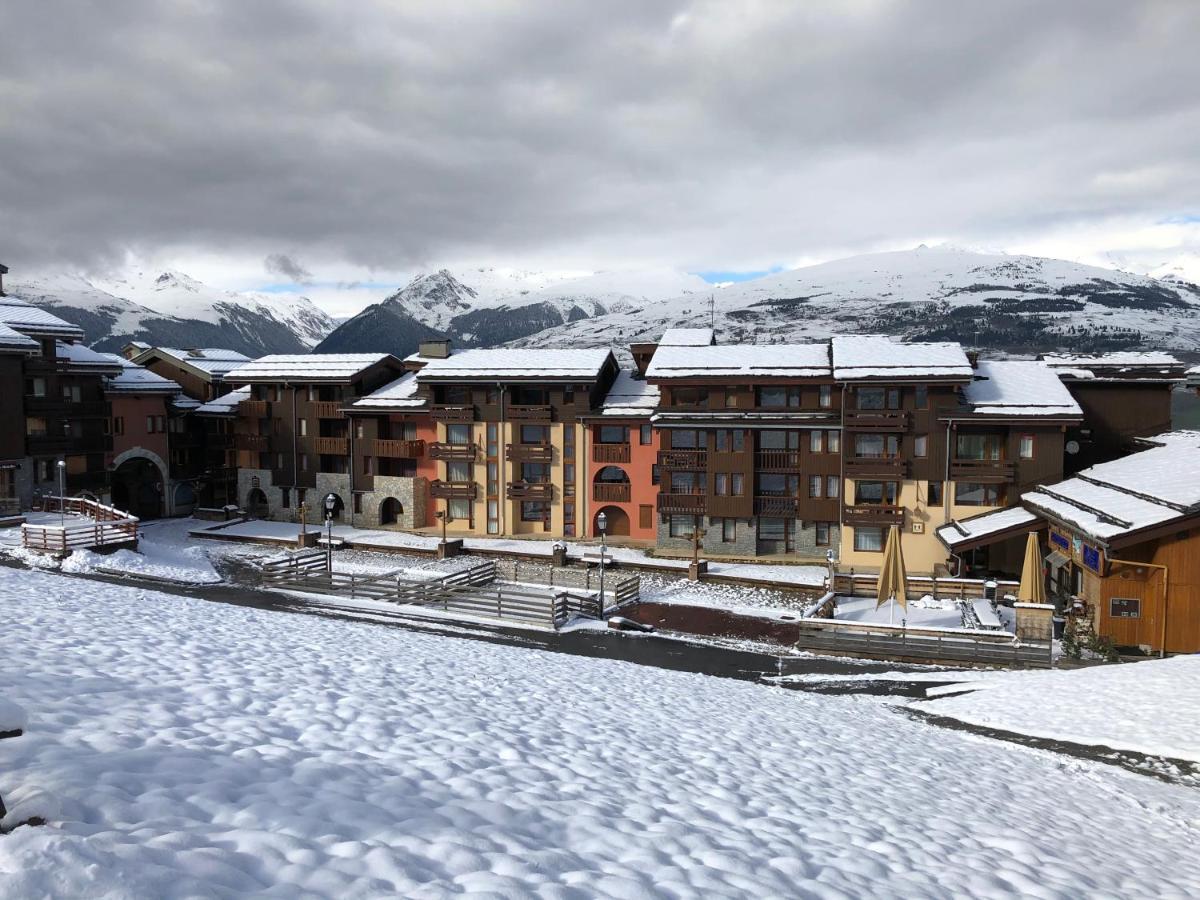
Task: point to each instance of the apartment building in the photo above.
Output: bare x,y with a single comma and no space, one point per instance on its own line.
141,407
15,470
293,437
199,372
217,421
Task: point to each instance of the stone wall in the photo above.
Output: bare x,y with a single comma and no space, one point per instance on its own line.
248,479
745,544
409,491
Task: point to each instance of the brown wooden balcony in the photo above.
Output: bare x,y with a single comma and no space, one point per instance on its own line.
254,409
872,514
334,446
876,466
885,420
453,490
326,409
442,412
610,453
683,459
534,453
983,470
779,507
398,449
777,460
528,490
611,492
682,504
453,452
52,407
528,413
252,441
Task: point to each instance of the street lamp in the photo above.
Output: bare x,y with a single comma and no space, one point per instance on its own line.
331,500
602,524
62,493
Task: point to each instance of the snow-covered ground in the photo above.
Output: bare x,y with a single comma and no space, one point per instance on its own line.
1149,707
919,613
187,748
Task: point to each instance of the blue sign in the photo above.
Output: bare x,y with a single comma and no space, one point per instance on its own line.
1091,558
1059,541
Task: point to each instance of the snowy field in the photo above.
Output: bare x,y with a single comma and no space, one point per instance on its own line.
187,749
1149,707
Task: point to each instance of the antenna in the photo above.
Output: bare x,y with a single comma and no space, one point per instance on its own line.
712,311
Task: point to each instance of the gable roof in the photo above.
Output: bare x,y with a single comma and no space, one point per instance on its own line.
135,379
210,363
399,394
12,341
741,360
36,322
874,356
81,358
687,337
226,404
1122,366
630,396
515,364
306,367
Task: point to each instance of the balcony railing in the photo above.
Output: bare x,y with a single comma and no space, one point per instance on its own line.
528,413
398,449
873,514
252,441
526,490
453,452
684,504
615,492
56,406
534,453
984,470
334,446
255,409
777,460
876,420
787,507
69,444
884,466
444,413
610,453
683,459
453,490
327,409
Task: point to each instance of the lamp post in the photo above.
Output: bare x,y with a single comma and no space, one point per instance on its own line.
330,504
602,524
62,493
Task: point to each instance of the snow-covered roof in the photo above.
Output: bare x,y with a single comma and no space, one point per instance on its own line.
399,394
307,367
12,341
183,401
33,320
741,360
1122,366
686,337
869,356
1114,499
515,363
1023,388
80,356
213,361
1122,358
630,396
135,379
960,533
226,404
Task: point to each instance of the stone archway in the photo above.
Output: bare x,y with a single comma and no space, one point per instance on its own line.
390,511
617,522
128,492
256,503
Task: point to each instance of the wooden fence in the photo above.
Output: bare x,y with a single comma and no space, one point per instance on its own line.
106,526
618,589
858,639
961,588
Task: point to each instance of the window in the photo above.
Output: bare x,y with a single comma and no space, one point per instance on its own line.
646,435
367,467
826,400
970,493
875,493
568,395
303,462
72,393
727,441
774,485
681,526
460,509
814,485
459,435
921,446
738,483
876,446
721,484
979,446
935,493
304,428
359,430
300,493
833,442
730,398
728,530
36,387
569,519
613,434
535,473
537,434
279,460
685,439
868,540
149,424
833,486
533,511
119,425
816,441
285,498
921,397
358,504
871,398
493,517
779,397
779,440
690,396
1026,451
655,473
687,483
458,471
822,534
493,445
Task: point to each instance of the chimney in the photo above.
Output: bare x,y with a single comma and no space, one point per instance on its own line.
435,349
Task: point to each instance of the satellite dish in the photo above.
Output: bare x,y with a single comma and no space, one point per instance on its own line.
1072,447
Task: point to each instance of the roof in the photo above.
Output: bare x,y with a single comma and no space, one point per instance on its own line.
80,357
307,367
1124,366
741,360
686,337
518,363
1019,388
12,341
399,394
33,320
226,404
215,362
962,535
135,379
1115,500
630,396
870,356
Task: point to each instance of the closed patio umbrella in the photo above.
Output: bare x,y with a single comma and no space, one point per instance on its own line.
893,583
1033,585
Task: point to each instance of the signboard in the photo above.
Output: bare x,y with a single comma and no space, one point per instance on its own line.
1124,608
1060,542
1091,557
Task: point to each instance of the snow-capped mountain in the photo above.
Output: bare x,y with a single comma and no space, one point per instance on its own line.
174,310
486,307
1009,303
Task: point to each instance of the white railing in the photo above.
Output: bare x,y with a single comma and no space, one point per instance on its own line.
107,525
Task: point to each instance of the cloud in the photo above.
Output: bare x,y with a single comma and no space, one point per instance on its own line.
282,264
379,136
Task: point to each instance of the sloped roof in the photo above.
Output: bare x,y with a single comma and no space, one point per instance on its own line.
12,341
307,367
135,379
518,363
1122,366
83,358
226,404
686,337
741,360
399,394
960,534
35,321
630,396
215,362
1022,388
873,356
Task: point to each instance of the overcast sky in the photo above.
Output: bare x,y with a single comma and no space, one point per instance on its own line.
279,143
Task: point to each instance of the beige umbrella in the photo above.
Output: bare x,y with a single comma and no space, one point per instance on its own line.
1033,585
893,584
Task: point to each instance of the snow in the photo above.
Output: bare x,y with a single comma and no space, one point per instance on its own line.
33,321
878,356
308,366
403,392
1147,707
960,531
510,363
686,337
942,613
135,379
630,396
226,404
791,360
11,339
213,361
12,717
199,749
1022,388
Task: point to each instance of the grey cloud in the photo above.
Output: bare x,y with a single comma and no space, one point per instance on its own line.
282,264
686,133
